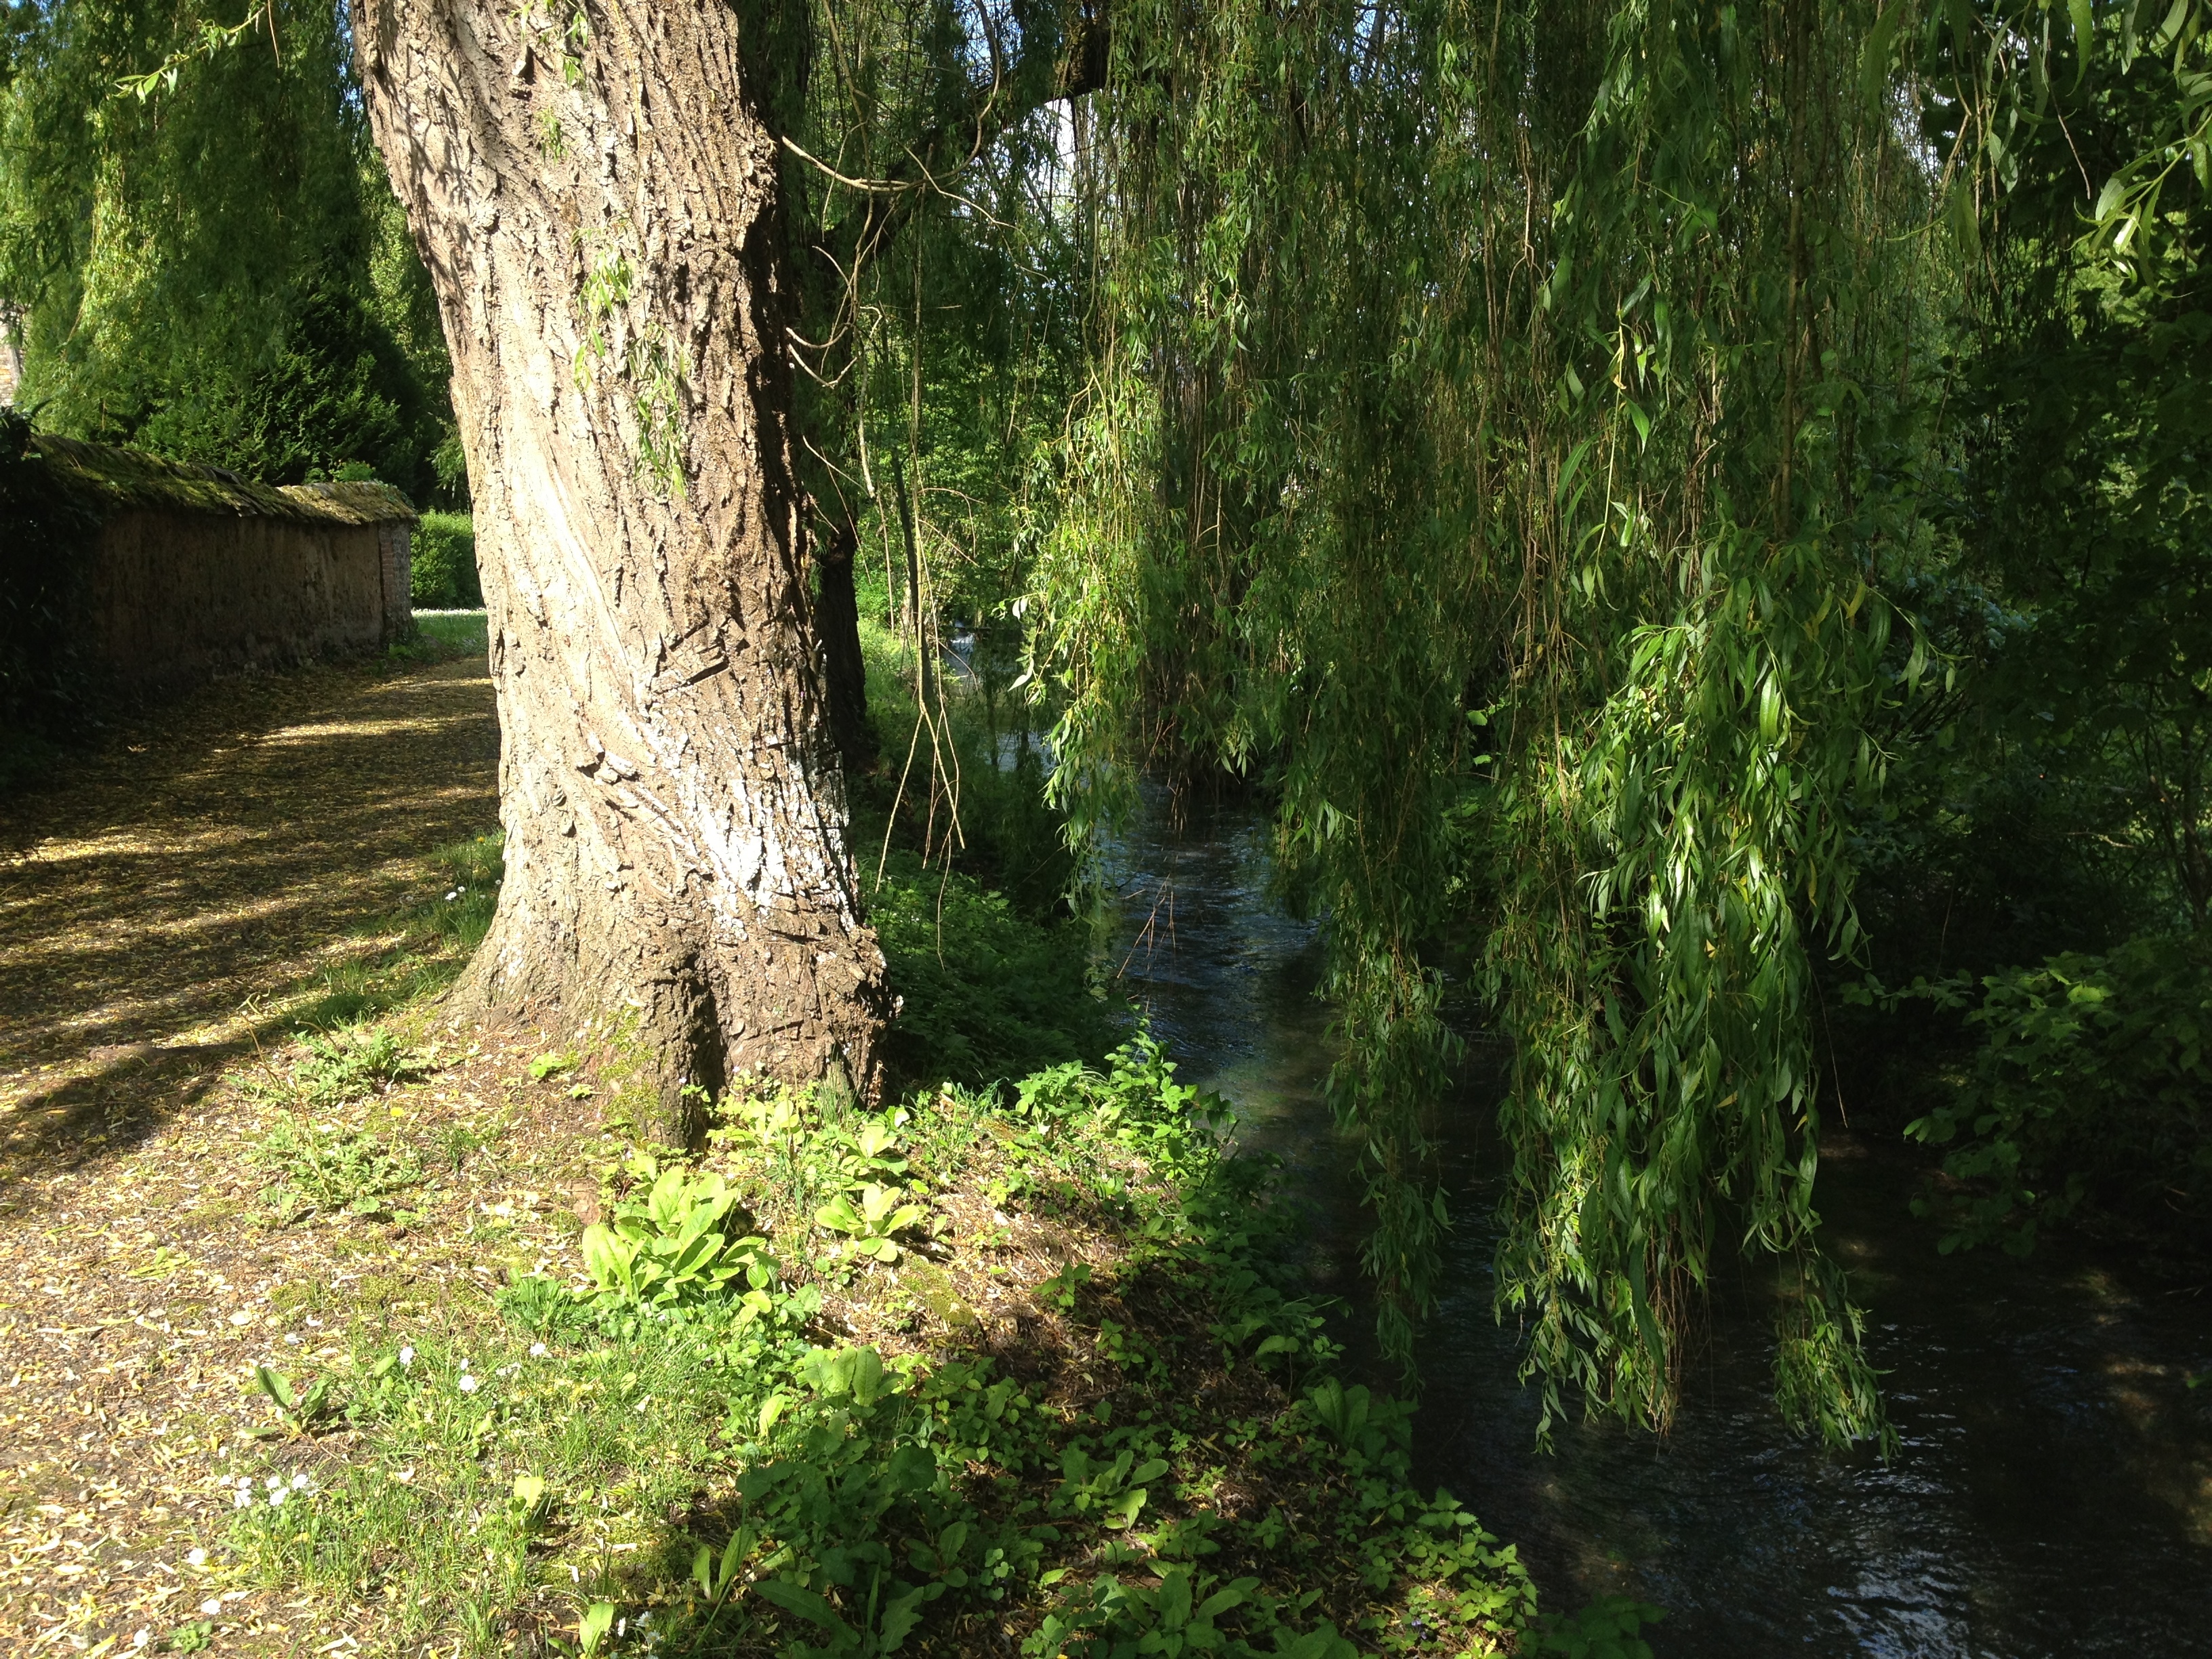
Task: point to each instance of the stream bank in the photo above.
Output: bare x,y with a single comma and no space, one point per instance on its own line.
2052,1495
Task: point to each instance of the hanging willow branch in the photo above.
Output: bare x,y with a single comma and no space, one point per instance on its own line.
1487,453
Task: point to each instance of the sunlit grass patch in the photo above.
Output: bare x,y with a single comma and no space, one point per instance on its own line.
453,631
422,1526
1062,1393
329,1169
441,635
418,952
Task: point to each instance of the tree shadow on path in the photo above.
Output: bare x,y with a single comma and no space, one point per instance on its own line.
253,837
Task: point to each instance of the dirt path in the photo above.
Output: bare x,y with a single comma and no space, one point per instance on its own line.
154,910
213,858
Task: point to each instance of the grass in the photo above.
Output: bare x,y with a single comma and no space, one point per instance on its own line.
1011,1368
419,951
440,635
1077,1408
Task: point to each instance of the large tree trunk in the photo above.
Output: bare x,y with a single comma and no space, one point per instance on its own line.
597,199
837,624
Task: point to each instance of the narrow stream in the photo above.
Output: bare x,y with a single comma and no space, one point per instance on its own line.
2053,1495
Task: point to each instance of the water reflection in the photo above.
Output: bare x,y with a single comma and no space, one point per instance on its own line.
2053,1496
2050,1496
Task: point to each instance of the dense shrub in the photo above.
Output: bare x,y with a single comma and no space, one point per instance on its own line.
2091,1090
43,687
446,562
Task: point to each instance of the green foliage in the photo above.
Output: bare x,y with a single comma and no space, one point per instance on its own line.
2092,1085
592,1629
1537,570
1358,1420
943,304
334,395
679,1245
345,1064
1607,1629
302,1409
445,567
2088,488
867,1451
2128,87
872,1224
323,1170
547,1066
215,270
966,874
989,992
2056,806
1114,1492
790,1491
949,792
1116,1618
838,1171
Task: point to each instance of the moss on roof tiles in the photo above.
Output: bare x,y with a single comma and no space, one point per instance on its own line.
115,478
359,502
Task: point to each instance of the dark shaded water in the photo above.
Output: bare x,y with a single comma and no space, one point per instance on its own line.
2053,1496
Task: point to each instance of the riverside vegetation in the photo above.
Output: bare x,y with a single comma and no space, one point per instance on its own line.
694,1450
1691,520
1012,1362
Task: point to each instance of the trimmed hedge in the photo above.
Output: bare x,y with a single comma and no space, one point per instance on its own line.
445,577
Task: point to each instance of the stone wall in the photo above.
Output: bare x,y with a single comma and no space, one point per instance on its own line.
193,572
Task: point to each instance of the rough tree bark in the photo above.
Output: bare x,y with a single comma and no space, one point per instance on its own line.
597,198
837,622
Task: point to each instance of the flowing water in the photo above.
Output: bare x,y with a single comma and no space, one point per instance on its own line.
2052,1496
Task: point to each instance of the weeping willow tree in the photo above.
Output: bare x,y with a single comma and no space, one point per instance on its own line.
211,264
937,278
1506,418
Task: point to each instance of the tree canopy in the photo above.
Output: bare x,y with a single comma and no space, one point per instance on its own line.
1694,516
213,266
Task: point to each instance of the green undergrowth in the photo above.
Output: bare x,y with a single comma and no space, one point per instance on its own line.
685,1450
418,953
989,992
969,884
318,1166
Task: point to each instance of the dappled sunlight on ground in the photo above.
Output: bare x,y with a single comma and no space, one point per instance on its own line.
162,909
235,845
